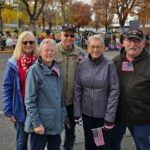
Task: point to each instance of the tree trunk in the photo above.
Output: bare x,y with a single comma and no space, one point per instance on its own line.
122,27
32,25
106,28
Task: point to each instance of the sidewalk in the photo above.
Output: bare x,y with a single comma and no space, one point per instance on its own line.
127,143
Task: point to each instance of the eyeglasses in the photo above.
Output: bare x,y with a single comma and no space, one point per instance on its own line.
69,35
96,47
28,42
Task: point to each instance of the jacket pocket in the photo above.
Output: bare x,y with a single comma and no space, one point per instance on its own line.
48,118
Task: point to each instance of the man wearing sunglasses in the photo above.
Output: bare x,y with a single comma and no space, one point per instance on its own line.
68,56
134,101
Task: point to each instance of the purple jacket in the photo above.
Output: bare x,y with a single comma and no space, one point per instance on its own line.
96,89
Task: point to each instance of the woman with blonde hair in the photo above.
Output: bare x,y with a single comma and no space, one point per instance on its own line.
13,85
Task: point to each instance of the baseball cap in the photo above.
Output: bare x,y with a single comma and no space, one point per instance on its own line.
69,28
135,33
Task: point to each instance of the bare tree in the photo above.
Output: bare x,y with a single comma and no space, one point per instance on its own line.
123,9
34,9
64,5
104,12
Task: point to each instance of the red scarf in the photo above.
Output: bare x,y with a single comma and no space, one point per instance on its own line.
23,64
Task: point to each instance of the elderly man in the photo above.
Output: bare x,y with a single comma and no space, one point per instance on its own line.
68,55
134,102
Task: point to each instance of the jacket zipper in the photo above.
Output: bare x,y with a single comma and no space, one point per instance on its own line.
92,88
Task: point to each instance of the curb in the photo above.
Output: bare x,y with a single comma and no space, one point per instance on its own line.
6,51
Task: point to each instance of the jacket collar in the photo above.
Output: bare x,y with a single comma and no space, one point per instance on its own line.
97,61
72,51
48,69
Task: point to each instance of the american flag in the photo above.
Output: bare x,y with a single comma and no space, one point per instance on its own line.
98,136
56,71
127,66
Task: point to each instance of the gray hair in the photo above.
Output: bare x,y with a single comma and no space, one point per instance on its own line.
46,41
96,37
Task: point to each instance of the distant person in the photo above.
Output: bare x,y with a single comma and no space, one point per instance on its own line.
96,91
44,100
13,85
68,56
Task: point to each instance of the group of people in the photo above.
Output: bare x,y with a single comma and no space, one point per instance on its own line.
55,86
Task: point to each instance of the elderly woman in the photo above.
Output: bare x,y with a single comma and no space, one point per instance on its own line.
96,91
13,85
44,100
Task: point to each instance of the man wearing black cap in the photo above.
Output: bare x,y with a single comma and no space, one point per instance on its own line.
68,55
134,101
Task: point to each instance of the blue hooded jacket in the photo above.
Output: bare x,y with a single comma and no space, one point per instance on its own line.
12,98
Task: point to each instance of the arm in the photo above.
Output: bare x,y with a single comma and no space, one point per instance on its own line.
77,93
7,91
31,94
113,95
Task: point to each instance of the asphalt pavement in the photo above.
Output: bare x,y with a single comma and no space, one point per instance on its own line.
7,132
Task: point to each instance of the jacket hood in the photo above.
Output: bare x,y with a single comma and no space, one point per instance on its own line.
142,55
49,69
13,63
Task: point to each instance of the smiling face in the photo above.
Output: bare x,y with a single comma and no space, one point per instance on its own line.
95,48
47,53
133,47
67,39
28,44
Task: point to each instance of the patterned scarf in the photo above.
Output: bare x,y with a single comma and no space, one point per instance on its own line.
26,61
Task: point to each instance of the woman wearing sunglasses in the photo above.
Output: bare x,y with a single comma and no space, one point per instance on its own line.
13,86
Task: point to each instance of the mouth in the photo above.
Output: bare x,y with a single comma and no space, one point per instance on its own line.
134,48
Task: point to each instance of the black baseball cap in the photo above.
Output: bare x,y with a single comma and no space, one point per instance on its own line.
69,28
135,33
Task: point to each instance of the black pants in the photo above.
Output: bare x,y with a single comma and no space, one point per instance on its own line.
69,132
90,123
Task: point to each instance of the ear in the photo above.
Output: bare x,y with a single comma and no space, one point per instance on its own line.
124,42
143,42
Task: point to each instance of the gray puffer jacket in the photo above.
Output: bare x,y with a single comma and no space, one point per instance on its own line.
96,89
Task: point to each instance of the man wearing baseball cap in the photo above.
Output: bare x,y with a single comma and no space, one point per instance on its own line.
68,56
133,65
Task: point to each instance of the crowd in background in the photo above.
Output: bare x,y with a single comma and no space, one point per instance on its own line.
113,41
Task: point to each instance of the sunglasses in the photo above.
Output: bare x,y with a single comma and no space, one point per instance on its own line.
69,35
28,42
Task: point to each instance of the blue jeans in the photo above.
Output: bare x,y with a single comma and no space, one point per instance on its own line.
140,134
38,142
21,136
69,132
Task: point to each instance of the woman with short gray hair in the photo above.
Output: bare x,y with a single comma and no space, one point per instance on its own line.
44,100
96,91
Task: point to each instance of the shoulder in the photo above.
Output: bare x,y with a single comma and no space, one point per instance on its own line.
79,49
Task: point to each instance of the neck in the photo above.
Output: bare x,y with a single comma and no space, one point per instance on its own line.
130,58
67,47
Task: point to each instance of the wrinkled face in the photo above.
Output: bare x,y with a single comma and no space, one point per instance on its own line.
133,47
28,44
67,38
47,53
95,48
